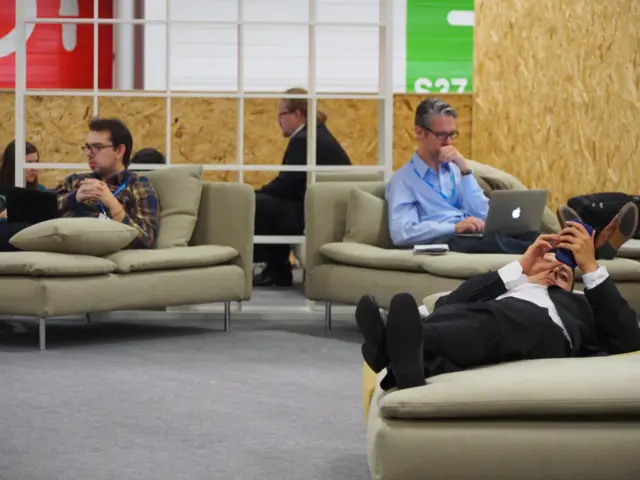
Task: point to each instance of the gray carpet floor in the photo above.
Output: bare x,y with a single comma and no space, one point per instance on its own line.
127,401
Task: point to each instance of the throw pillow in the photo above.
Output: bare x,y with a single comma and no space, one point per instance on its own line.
78,236
367,220
179,190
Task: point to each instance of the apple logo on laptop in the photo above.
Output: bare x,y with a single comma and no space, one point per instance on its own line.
516,213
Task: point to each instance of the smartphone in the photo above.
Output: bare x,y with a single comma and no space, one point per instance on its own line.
566,256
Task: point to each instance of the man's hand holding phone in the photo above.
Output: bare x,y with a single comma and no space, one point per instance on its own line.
470,225
575,238
536,252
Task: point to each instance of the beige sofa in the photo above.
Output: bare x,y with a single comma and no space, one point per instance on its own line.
550,419
204,254
349,252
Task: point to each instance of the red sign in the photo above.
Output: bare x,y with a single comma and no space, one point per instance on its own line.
59,56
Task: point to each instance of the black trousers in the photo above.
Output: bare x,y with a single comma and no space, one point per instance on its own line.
467,335
494,242
8,230
276,216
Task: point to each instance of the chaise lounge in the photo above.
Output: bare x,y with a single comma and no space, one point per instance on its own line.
203,254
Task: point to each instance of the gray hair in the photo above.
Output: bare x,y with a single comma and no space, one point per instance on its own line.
430,108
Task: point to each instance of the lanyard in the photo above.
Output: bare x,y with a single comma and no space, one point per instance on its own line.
450,200
120,188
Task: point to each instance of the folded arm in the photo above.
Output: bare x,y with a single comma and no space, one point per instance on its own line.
285,184
487,286
616,322
66,193
405,227
144,215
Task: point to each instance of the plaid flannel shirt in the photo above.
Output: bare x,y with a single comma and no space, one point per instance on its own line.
138,198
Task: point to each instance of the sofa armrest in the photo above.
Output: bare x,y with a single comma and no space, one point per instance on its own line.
325,211
226,217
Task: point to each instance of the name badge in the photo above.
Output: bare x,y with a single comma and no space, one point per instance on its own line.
102,216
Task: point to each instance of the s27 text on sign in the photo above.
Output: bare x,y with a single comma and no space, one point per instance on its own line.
439,46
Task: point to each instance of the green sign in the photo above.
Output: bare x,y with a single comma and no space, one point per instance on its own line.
439,46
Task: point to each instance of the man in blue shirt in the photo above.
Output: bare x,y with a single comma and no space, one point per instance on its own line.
435,196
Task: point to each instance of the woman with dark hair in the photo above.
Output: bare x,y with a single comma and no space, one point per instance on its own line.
8,171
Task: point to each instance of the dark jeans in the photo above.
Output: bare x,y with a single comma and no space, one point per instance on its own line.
276,216
8,230
494,242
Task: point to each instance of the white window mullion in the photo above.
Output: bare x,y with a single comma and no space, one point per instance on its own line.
96,54
167,80
385,79
240,80
20,88
312,107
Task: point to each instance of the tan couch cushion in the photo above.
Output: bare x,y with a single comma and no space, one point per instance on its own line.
360,255
81,236
170,258
367,220
42,264
179,190
537,388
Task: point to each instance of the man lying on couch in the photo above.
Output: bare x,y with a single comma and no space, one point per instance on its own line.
526,310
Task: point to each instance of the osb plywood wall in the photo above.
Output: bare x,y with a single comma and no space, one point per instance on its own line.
557,93
204,130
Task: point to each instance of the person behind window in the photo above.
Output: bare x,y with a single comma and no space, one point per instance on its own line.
8,175
280,203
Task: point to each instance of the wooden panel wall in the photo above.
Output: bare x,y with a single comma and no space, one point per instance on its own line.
204,130
557,100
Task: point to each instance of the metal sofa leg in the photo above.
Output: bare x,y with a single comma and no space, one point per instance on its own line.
227,316
327,315
42,334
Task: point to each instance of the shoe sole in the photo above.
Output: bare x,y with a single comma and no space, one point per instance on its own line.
404,341
371,328
627,224
566,214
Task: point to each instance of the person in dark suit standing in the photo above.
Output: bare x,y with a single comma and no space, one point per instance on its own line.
280,203
526,310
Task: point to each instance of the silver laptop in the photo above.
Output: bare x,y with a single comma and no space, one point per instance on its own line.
514,212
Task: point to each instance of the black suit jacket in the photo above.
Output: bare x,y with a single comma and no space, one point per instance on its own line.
293,185
598,322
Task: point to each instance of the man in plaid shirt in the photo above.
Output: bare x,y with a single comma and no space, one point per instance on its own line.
111,191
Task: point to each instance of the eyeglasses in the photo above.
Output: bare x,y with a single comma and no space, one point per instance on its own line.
442,136
94,148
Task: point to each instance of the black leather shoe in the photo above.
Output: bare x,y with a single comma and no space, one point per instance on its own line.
370,322
404,341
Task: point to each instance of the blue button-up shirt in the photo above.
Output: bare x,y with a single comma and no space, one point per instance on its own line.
425,205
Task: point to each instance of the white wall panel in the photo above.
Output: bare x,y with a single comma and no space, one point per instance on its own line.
347,59
276,10
276,57
204,57
353,11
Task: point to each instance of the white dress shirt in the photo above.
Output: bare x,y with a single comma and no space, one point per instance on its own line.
518,286
297,130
